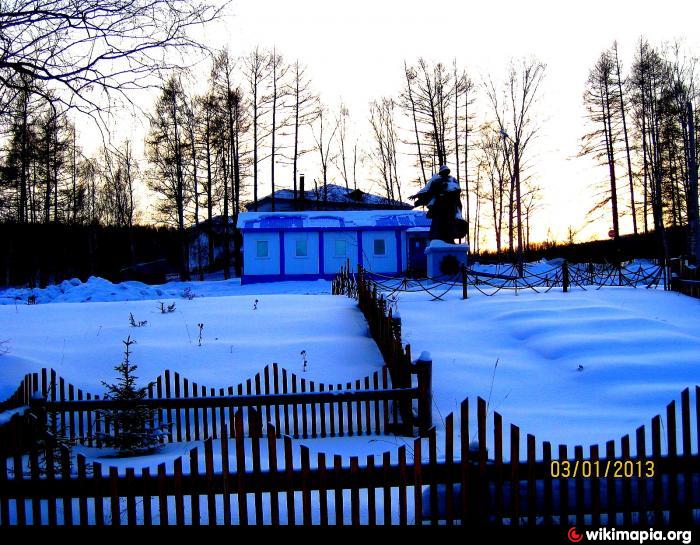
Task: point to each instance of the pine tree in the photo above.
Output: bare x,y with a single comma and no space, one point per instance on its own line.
134,431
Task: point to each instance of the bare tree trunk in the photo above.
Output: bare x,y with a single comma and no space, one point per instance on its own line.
607,120
633,208
693,220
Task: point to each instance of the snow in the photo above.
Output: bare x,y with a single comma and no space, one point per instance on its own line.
349,219
442,245
83,341
97,289
638,350
6,416
576,368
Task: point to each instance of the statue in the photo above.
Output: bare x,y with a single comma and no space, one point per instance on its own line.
442,197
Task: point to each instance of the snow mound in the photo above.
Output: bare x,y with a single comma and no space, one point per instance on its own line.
576,368
97,289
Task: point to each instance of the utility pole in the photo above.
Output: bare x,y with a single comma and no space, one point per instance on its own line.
693,223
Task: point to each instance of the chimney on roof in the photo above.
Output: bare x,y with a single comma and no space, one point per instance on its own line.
302,193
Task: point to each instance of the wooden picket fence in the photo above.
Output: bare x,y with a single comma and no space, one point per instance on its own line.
265,478
384,327
296,406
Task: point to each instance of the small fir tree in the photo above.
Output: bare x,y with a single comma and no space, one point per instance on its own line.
136,429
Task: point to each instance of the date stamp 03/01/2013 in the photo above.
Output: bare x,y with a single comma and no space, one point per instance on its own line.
616,469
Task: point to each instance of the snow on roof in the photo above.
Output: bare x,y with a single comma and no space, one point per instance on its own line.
390,219
336,193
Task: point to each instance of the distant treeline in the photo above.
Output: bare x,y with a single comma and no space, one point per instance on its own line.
627,247
39,254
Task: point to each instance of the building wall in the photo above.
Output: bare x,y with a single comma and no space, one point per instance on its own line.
254,265
333,259
387,263
294,264
331,249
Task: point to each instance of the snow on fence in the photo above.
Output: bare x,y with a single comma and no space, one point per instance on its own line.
685,278
295,406
268,479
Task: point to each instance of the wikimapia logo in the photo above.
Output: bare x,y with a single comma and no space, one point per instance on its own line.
635,536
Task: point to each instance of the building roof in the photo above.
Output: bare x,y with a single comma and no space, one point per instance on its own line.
338,194
349,220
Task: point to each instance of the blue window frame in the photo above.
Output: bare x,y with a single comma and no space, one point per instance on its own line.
340,248
301,248
262,249
379,246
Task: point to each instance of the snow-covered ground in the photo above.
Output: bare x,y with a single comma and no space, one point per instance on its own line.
82,341
637,348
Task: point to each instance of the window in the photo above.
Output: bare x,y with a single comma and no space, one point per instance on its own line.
341,248
262,249
300,248
379,246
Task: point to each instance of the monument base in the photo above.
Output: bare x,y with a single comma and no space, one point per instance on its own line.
445,260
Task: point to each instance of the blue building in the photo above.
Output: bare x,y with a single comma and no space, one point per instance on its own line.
279,246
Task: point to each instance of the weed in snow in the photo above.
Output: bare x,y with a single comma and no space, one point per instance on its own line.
188,294
136,323
165,309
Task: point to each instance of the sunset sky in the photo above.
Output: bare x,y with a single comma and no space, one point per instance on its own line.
355,53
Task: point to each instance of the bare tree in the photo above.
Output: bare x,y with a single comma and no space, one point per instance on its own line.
518,124
385,140
324,137
85,46
257,71
278,71
305,109
623,115
165,151
603,104
408,102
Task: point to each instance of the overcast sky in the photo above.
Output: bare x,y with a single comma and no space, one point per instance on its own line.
355,52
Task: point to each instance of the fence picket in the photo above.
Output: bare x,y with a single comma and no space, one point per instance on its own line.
146,497
498,466
289,470
226,486
240,470
272,468
305,486
114,499
209,475
595,486
162,496
194,479
130,497
371,491
338,491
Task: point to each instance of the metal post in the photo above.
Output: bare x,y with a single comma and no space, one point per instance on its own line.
565,276
465,295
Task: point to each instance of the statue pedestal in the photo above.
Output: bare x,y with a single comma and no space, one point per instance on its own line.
445,260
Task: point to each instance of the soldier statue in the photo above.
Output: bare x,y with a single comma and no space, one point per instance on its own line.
442,197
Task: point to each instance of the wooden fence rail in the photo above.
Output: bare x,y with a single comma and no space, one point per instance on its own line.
504,478
297,407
